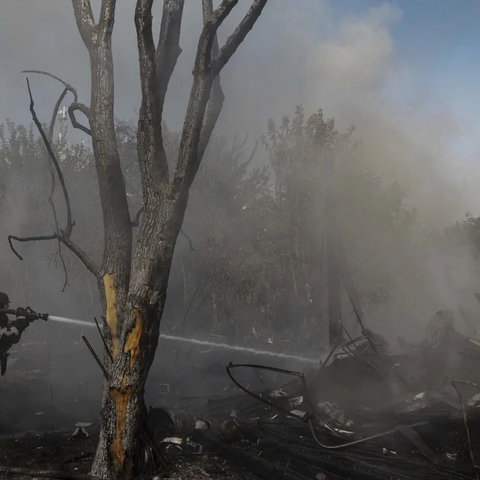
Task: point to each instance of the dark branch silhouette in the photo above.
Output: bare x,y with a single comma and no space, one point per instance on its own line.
55,162
63,236
74,106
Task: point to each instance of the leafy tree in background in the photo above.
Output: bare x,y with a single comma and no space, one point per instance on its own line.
464,232
256,233
260,232
24,169
369,214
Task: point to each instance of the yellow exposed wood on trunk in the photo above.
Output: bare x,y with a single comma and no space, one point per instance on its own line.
121,398
132,343
111,299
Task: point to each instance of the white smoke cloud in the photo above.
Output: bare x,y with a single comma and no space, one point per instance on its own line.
346,64
359,57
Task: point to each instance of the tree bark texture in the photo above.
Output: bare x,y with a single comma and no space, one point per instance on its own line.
133,278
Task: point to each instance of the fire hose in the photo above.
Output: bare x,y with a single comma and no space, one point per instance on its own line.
30,314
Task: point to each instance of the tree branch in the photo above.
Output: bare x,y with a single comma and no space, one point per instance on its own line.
51,129
238,36
75,105
65,271
113,197
206,96
71,113
221,13
84,109
46,141
74,248
152,159
38,238
107,17
212,21
216,99
168,49
54,258
85,21
80,254
61,236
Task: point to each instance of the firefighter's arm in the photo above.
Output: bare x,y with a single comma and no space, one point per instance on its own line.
11,334
22,321
20,324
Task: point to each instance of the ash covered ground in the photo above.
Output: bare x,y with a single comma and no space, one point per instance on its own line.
53,382
361,413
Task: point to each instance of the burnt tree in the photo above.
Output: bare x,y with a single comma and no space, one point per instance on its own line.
133,277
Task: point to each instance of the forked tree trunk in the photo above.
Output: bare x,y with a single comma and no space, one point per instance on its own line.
133,279
122,438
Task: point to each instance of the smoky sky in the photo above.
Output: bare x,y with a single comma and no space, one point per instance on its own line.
43,36
344,62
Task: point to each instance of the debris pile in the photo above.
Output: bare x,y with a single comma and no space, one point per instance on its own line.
362,414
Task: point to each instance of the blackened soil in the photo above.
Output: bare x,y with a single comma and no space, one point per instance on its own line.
47,452
55,451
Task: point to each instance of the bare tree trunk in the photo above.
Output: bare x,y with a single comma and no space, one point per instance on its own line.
135,299
133,278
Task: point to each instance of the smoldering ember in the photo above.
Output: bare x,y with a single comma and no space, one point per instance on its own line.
207,273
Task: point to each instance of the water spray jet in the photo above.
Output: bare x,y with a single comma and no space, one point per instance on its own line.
71,321
204,343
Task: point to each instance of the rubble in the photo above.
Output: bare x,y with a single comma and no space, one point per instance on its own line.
366,414
80,430
363,413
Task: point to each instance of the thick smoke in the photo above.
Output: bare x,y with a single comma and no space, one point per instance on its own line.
345,64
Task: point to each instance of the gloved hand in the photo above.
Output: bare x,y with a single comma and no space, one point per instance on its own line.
21,324
21,312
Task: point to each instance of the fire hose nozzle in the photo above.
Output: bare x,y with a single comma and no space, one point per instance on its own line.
36,316
30,314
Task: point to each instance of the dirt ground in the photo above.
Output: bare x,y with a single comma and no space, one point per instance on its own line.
40,453
35,402
47,452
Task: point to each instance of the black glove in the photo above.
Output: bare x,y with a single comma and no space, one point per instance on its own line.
21,312
21,324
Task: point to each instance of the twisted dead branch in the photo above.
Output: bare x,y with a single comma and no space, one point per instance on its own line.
62,236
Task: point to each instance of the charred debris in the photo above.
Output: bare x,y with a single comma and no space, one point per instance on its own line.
362,413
